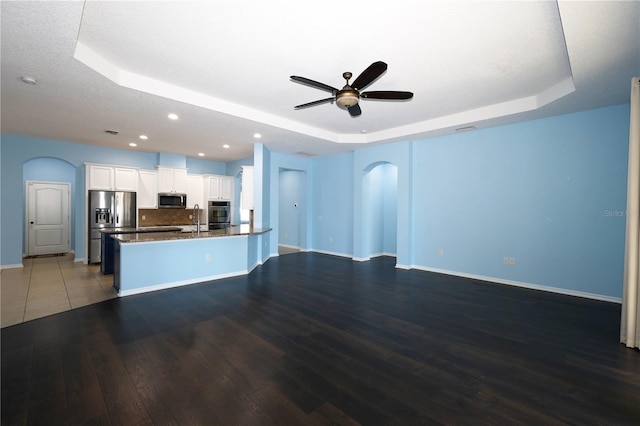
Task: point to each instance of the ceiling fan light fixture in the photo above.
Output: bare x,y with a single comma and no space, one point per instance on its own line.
347,98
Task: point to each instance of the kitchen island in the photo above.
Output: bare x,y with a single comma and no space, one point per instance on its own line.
108,244
154,261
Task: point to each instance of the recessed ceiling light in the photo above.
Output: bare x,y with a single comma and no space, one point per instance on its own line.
173,116
201,154
143,137
28,80
225,146
133,144
363,131
257,135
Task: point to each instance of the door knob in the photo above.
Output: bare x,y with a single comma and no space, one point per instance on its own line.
31,222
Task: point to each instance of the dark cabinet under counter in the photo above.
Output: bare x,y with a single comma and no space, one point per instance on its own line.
109,245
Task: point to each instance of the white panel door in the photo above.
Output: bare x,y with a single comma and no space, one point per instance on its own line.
48,218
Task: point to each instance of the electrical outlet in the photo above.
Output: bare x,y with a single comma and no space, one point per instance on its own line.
512,261
207,257
505,260
440,252
144,217
330,239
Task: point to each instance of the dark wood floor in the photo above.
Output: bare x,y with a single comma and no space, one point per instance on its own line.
314,339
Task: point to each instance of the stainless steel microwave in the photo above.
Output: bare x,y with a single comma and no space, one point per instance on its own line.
167,200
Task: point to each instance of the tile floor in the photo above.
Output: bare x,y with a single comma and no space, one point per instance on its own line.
49,285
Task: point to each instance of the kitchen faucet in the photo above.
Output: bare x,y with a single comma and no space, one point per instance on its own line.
196,213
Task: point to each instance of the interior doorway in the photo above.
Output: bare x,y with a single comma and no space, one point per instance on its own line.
292,202
380,210
48,218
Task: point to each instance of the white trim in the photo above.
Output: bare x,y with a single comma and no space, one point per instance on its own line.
331,253
173,284
361,259
12,266
288,246
384,253
401,266
523,284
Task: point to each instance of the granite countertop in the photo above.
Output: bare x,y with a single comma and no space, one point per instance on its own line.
233,231
145,229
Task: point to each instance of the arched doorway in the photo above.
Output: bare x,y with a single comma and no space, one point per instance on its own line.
48,177
379,210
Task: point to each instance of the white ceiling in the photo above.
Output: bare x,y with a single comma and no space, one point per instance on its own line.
224,68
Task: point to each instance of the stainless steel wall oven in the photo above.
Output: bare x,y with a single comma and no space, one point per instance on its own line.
219,214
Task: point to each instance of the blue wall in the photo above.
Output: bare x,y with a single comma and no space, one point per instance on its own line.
540,192
535,191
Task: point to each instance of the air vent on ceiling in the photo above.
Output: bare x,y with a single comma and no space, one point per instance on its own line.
112,132
465,129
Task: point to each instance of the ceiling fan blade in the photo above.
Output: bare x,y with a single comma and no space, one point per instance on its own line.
315,84
314,103
369,75
386,94
354,110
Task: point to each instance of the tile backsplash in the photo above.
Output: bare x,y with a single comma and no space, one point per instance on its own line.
161,217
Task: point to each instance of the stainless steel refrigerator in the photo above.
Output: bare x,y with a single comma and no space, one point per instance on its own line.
108,209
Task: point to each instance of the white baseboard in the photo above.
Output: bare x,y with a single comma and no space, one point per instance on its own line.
12,266
530,286
290,247
174,284
331,253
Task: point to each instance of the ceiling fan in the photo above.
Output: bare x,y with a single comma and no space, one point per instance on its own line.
349,96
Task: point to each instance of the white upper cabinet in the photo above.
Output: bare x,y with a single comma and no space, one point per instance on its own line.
226,187
147,189
246,201
100,177
195,191
218,187
126,179
172,180
111,178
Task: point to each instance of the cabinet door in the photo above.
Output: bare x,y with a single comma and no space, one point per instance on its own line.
100,177
147,189
180,181
214,187
195,191
126,179
165,180
226,188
